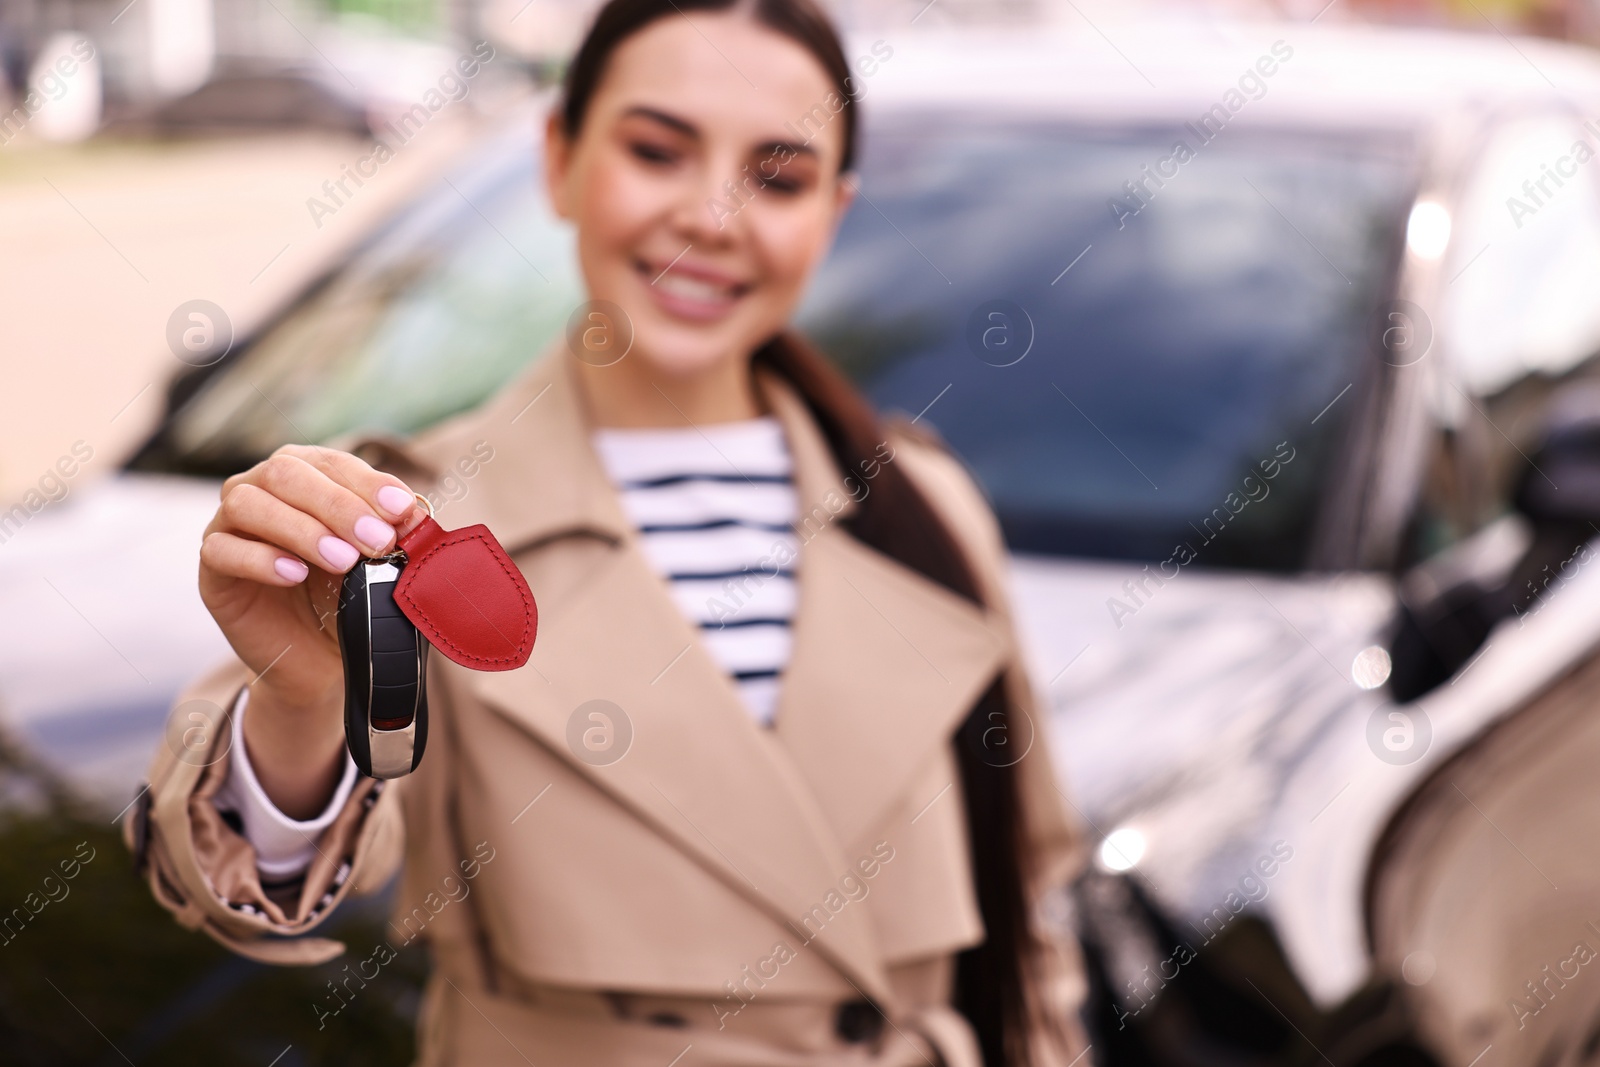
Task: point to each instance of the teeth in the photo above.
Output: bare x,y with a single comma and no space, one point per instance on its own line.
692,288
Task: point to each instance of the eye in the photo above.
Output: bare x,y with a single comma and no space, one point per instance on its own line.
783,185
791,178
652,152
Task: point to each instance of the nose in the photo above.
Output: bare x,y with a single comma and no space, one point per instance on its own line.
711,212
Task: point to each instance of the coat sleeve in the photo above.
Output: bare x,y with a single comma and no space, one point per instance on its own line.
204,871
1056,846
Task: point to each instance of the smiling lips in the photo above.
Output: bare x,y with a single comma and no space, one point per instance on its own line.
693,292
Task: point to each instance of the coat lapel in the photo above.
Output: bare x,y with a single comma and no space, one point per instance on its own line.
886,663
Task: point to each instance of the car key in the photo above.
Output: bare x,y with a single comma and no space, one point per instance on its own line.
385,663
455,591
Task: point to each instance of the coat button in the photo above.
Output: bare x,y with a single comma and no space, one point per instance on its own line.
858,1022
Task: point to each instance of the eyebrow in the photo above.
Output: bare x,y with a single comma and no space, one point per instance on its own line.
798,148
681,125
688,129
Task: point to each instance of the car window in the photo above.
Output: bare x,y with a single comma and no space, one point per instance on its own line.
1173,350
1526,252
1514,315
434,315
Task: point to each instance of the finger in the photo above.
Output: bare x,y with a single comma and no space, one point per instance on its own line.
256,513
254,561
305,488
388,494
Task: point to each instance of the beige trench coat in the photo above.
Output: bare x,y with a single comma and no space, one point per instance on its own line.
720,886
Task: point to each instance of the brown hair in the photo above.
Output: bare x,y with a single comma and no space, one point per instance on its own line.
897,520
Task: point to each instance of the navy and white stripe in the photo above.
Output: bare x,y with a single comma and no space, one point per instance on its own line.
715,507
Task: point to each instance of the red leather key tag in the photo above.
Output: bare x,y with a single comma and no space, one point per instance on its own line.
466,596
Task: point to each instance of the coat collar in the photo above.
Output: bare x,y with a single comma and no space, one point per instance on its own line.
885,664
547,481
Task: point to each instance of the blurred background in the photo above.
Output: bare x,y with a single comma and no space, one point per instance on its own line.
1269,329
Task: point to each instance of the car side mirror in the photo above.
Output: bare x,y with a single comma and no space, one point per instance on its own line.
1450,604
1561,484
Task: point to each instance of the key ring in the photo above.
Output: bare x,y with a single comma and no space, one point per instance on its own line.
400,553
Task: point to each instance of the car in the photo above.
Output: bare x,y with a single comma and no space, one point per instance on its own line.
269,98
1262,339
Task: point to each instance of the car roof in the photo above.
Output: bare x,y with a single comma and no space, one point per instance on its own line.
1174,70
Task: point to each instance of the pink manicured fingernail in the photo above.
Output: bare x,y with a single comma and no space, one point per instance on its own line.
395,501
340,555
290,570
373,533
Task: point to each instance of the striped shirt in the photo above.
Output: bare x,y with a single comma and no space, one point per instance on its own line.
714,507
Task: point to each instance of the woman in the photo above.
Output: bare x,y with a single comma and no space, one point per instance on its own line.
768,788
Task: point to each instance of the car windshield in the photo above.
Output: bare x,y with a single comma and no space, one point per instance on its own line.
1111,366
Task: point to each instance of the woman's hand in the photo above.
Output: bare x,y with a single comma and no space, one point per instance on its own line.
271,564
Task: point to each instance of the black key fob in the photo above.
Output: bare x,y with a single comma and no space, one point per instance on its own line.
385,664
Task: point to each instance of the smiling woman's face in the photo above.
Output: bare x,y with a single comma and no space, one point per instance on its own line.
706,271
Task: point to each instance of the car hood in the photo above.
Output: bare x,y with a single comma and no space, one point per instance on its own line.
103,625
1178,708
1186,709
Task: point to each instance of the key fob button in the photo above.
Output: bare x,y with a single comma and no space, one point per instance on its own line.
394,668
393,635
